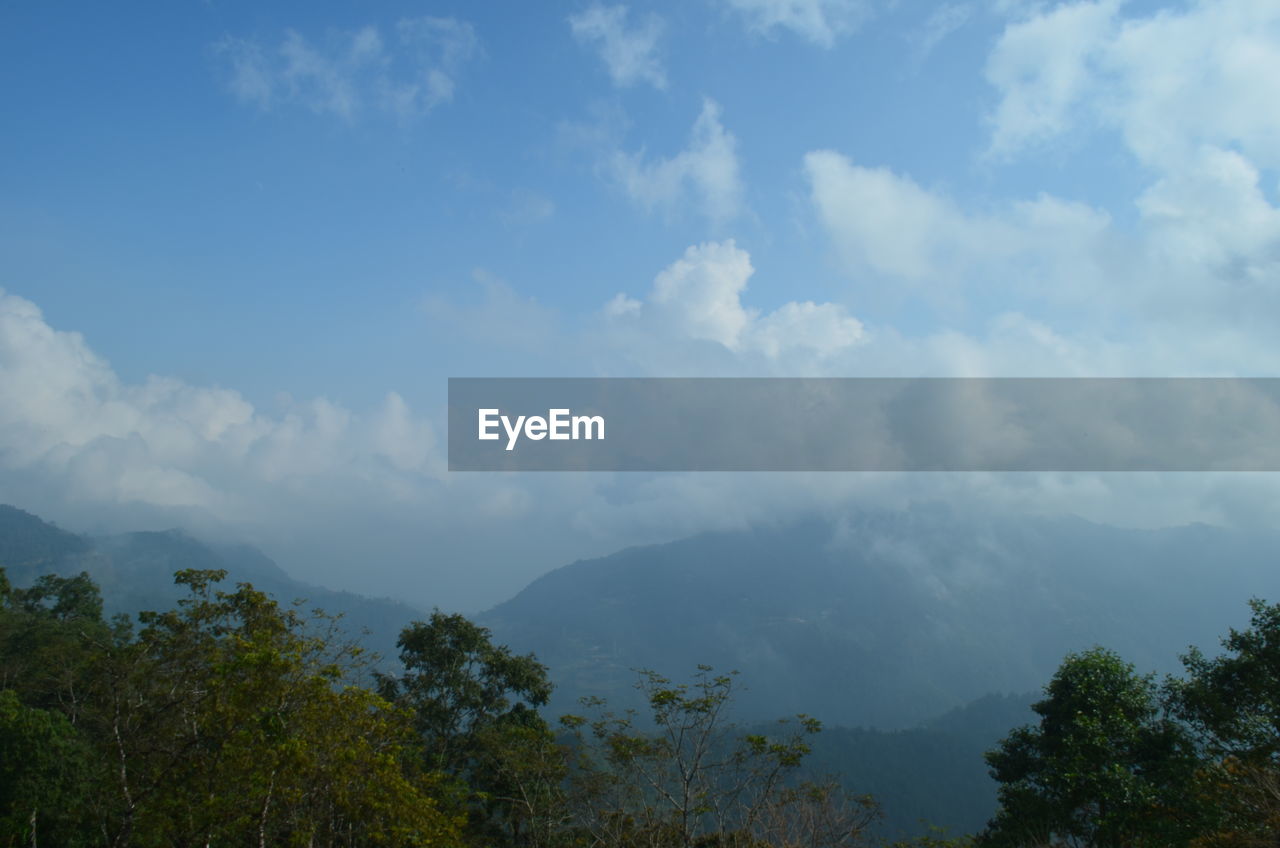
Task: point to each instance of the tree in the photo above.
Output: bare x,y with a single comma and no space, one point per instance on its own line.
47,642
695,779
45,767
231,721
50,635
1233,703
475,709
1104,767
1234,700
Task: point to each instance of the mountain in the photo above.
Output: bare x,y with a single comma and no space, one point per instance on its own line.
135,572
933,773
894,628
886,619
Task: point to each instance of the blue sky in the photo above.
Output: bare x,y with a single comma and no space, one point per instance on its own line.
277,229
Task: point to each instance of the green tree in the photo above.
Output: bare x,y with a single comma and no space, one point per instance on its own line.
1232,701
475,709
232,721
45,766
50,634
1104,766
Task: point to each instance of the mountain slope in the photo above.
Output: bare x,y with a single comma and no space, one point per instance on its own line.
135,572
886,619
933,773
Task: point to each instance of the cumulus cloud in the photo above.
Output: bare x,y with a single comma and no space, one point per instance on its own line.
62,408
630,53
886,225
354,72
699,297
1184,92
819,21
77,442
1043,68
706,171
1169,83
1184,284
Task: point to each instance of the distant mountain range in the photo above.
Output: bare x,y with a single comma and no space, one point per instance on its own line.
882,619
887,619
135,572
906,622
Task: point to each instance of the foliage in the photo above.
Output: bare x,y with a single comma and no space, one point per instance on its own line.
1104,767
227,721
474,708
1232,702
694,780
230,720
47,634
43,767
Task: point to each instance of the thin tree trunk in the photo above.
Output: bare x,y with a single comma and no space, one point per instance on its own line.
266,805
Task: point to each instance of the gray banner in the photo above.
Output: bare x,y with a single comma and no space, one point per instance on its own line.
979,424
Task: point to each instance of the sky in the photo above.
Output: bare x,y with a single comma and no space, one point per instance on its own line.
243,246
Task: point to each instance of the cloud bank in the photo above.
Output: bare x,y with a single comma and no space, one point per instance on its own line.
1180,281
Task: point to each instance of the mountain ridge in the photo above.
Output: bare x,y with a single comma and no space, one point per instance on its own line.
886,619
134,571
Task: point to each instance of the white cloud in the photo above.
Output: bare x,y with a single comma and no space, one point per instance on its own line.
699,293
819,21
1189,93
941,23
630,54
1170,83
1213,213
164,444
622,305
1043,67
823,328
354,72
708,170
1189,288
887,222
351,499
699,297
885,225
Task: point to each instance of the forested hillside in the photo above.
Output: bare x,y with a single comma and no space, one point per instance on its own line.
231,720
930,775
134,572
888,616
888,619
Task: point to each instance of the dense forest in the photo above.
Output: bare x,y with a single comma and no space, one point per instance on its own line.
233,720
